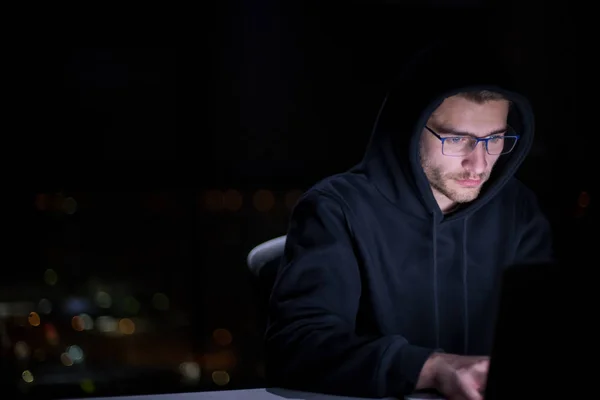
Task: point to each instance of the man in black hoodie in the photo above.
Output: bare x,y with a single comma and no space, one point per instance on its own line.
390,270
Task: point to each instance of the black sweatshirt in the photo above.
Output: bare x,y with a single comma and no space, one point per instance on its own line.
375,277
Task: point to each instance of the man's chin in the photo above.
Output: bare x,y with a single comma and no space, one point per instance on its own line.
465,195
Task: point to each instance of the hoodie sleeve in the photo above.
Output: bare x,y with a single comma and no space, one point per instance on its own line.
311,342
534,235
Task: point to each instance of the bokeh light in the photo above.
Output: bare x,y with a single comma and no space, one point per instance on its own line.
66,360
221,360
160,301
264,200
222,337
44,306
131,305
106,324
51,334
584,200
103,299
213,200
69,206
22,350
27,376
88,322
126,326
34,319
75,353
87,385
190,370
77,323
232,200
50,277
221,378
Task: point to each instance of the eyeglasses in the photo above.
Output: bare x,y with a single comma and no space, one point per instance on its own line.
460,146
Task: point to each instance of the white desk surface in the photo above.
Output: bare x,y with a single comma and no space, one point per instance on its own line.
250,394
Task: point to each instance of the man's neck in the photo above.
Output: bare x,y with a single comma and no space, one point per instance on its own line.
445,204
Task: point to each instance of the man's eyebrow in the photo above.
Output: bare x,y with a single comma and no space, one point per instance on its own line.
446,130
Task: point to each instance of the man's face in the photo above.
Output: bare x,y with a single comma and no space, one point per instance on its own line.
459,179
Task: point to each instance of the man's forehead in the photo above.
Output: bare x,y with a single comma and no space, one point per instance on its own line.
456,105
489,116
443,126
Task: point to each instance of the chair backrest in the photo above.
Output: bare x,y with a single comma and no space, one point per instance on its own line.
265,253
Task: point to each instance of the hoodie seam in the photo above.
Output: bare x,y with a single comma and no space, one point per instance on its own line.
395,205
343,205
436,309
465,287
378,370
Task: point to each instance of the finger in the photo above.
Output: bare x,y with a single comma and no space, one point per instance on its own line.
479,372
482,365
468,386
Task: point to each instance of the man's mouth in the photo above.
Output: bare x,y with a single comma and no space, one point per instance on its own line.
469,182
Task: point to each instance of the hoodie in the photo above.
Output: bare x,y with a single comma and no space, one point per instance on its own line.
374,277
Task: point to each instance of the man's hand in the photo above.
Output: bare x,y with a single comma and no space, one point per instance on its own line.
456,377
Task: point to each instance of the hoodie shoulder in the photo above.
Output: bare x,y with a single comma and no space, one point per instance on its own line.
518,193
346,188
533,232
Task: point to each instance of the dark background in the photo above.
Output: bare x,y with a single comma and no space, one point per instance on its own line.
149,171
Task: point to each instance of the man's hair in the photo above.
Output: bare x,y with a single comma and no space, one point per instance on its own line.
482,96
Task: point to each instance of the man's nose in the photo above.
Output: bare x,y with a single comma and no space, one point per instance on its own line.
476,162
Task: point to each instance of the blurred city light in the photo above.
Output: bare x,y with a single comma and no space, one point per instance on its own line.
131,305
232,200
87,385
103,299
222,337
22,350
584,200
50,277
87,321
34,319
190,370
45,306
126,326
66,360
69,205
224,359
106,324
160,301
51,334
213,200
77,323
264,200
27,376
221,378
75,354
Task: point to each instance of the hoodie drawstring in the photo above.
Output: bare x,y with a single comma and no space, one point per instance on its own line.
435,287
465,288
465,292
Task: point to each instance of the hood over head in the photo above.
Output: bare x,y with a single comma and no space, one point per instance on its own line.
442,70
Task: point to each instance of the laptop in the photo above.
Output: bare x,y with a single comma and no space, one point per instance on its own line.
528,353
530,346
